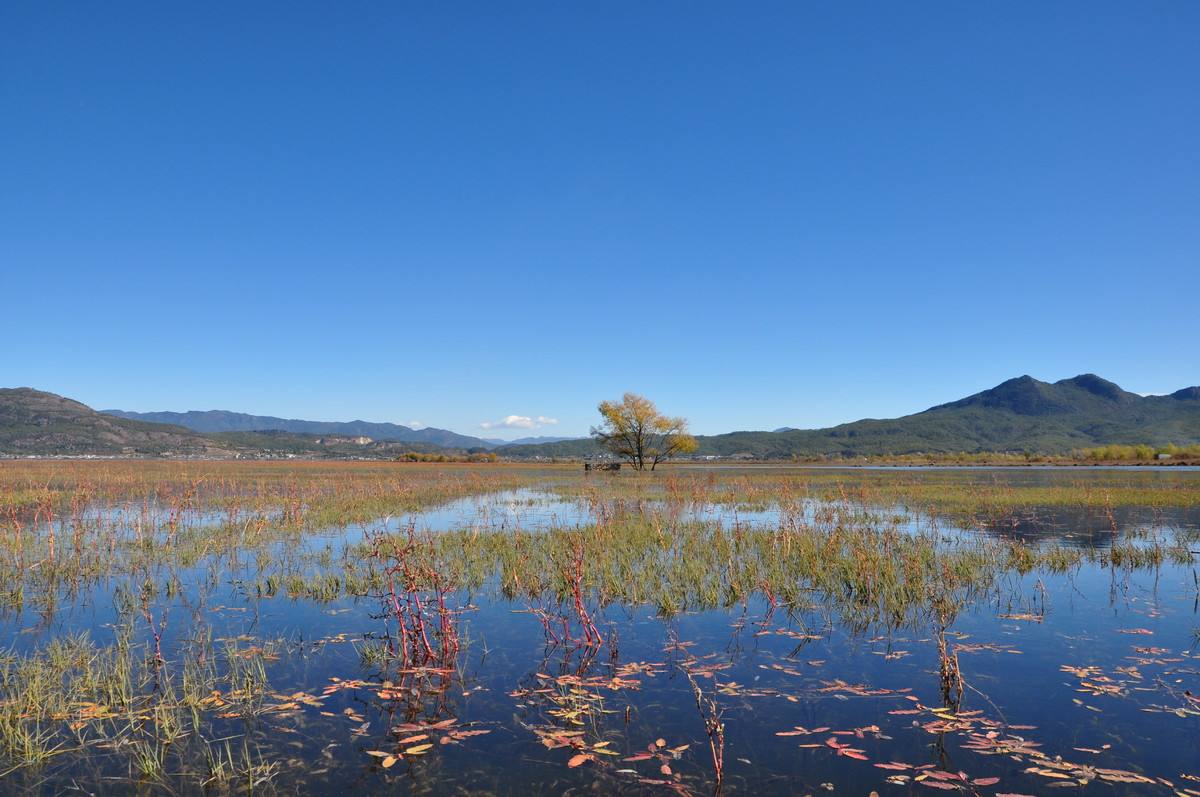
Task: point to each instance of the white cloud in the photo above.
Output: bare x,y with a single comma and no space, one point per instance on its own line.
519,422
413,424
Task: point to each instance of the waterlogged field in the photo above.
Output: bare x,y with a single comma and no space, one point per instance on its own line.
324,628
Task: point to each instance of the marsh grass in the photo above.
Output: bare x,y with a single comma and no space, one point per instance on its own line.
165,704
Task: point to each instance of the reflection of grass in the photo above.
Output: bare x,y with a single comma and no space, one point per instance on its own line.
864,568
840,552
638,552
74,695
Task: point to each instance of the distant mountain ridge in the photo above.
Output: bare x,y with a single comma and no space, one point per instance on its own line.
211,421
1021,414
527,441
33,422
36,423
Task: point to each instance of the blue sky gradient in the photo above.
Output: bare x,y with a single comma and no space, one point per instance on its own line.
759,215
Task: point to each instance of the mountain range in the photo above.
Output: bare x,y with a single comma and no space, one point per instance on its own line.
224,421
215,421
1021,414
33,422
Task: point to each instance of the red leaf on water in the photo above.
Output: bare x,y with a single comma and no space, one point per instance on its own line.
412,739
942,774
985,781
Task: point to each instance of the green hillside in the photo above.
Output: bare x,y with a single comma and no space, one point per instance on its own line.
33,422
1022,414
36,423
223,421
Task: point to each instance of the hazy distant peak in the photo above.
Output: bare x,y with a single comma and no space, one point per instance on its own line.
216,421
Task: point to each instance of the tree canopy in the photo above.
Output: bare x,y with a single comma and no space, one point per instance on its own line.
634,430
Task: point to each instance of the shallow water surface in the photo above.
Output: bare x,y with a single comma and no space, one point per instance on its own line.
1083,678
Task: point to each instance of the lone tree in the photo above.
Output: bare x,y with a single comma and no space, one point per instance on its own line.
636,431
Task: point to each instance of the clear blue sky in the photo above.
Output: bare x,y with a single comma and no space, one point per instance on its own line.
767,214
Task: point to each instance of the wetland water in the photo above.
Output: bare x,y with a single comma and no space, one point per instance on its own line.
1003,631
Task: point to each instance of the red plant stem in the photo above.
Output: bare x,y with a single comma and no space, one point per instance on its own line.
592,637
399,614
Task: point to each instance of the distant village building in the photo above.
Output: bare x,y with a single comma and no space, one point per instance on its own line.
334,440
1161,457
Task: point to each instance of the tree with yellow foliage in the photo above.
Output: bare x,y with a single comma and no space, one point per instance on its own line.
634,430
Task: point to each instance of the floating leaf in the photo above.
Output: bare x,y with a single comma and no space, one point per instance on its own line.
420,737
